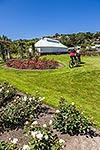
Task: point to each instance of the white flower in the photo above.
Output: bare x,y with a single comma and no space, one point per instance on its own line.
0,89
9,139
57,111
39,136
30,98
26,122
73,103
50,122
65,117
14,141
31,126
42,98
61,141
44,125
34,123
33,134
51,116
31,116
14,100
26,147
17,97
7,91
33,98
46,137
25,98
39,98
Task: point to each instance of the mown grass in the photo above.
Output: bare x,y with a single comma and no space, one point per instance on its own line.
80,84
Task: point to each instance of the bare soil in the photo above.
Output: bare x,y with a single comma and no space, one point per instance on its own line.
76,142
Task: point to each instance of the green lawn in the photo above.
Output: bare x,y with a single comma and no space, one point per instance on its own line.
80,84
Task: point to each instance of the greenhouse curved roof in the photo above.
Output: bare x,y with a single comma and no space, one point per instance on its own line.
47,42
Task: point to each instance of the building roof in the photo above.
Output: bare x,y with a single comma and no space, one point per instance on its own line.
47,42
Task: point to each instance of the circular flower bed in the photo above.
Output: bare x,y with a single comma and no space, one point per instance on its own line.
40,64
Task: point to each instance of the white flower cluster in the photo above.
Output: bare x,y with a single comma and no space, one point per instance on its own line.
73,103
44,125
33,98
57,111
46,137
25,98
41,98
61,141
0,89
41,134
26,147
7,91
37,134
26,122
30,99
50,122
14,141
34,123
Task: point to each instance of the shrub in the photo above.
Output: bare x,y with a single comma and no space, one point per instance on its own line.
7,146
42,138
68,119
41,64
7,93
16,112
90,53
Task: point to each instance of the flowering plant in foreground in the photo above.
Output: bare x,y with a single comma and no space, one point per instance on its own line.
16,112
10,145
42,138
41,64
68,119
7,92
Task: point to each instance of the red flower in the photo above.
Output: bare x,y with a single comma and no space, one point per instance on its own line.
32,64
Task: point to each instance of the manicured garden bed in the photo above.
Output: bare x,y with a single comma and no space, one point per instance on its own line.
40,64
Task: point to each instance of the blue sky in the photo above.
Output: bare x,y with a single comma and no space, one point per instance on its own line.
27,19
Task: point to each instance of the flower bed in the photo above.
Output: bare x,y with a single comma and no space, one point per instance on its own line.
21,112
26,112
41,64
16,112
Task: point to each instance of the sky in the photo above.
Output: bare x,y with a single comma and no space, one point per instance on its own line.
28,19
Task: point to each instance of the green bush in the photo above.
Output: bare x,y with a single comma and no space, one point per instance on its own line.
7,93
68,119
15,113
42,138
7,146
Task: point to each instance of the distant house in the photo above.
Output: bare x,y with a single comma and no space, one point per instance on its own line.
47,46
